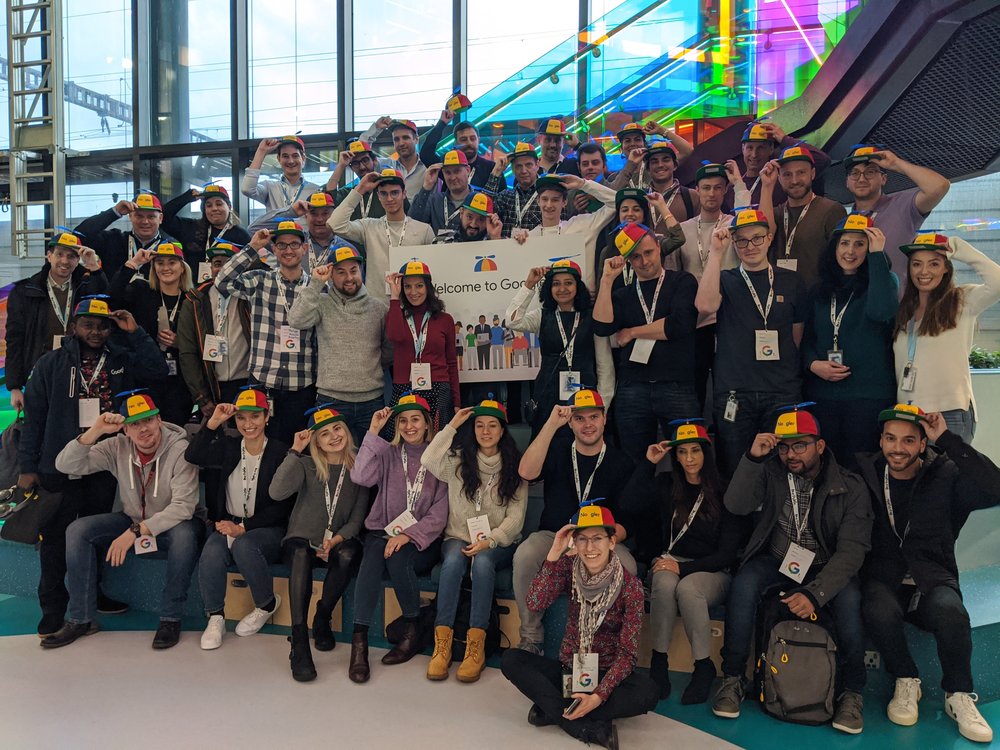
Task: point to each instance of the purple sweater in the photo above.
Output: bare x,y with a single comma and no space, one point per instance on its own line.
379,463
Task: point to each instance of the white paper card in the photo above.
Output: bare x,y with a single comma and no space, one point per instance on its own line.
909,380
290,339
400,523
327,535
145,544
171,365
791,264
204,271
766,344
479,528
730,411
215,349
420,376
797,562
90,410
229,541
57,342
585,672
641,349
569,383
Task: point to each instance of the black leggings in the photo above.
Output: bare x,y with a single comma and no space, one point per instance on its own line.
341,567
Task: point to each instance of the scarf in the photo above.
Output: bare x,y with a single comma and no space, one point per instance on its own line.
595,595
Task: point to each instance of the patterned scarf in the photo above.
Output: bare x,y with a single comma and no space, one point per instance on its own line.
595,594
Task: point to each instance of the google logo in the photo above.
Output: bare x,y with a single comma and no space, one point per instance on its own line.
793,568
585,679
397,530
213,352
289,344
766,350
421,383
145,543
480,537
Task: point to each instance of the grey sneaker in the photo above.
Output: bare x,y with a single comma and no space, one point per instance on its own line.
728,699
531,647
850,714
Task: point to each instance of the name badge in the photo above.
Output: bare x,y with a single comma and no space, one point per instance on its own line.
835,355
327,535
204,272
215,349
584,672
400,523
145,544
479,528
792,264
732,406
171,365
420,376
641,349
57,342
569,383
290,339
90,410
909,380
797,562
766,343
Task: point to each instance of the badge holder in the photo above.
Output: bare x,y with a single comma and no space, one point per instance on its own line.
569,383
789,264
797,562
584,672
290,339
90,410
400,523
420,376
145,544
216,348
909,379
479,528
732,406
766,342
641,351
836,356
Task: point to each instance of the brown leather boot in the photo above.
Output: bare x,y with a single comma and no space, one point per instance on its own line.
475,656
359,671
437,669
408,646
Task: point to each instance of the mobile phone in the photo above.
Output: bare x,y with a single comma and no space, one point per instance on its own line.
571,707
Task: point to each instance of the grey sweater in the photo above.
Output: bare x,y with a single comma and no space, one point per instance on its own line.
297,474
350,339
276,194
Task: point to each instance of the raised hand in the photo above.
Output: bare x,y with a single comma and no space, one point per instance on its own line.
223,413
656,451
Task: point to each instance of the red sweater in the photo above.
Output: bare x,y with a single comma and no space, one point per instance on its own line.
616,641
439,349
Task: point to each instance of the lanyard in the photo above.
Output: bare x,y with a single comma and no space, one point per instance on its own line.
220,323
316,258
911,340
567,340
888,506
249,484
209,242
649,313
793,494
582,496
790,238
331,504
61,315
637,180
687,523
366,207
173,311
836,317
483,490
282,182
414,488
702,254
143,486
303,279
97,371
388,234
134,246
448,217
763,310
419,337
518,211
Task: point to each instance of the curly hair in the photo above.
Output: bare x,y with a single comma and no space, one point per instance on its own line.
466,448
581,302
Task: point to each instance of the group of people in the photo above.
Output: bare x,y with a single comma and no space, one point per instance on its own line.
314,391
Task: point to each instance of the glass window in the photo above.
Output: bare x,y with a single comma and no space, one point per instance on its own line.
293,67
402,59
92,188
98,74
168,178
190,90
4,120
320,162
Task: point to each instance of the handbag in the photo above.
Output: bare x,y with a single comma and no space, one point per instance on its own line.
530,408
25,511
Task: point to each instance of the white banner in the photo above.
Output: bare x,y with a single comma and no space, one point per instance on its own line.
477,281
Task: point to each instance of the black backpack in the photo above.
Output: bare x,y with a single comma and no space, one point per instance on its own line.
797,664
461,628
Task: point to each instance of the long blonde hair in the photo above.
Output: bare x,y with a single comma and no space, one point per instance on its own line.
319,458
397,438
186,282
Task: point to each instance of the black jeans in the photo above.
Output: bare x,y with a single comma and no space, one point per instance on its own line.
756,413
540,680
86,496
404,565
289,412
342,564
849,427
939,612
704,358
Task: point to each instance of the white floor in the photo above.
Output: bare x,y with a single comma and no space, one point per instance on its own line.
111,690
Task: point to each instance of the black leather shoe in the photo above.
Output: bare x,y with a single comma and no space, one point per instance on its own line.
322,632
359,670
300,657
108,606
408,646
602,734
68,633
49,625
537,717
167,635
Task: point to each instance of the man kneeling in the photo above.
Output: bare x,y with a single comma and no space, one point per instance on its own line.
159,492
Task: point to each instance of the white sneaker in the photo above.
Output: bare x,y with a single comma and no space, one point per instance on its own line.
212,637
902,708
257,619
971,724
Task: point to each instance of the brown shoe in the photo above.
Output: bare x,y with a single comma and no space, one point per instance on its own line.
359,670
475,656
437,669
408,646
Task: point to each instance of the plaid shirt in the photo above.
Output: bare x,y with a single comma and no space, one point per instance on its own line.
506,208
270,296
784,531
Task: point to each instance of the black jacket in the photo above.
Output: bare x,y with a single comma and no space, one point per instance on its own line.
52,414
213,449
27,318
481,168
840,502
193,234
111,245
954,480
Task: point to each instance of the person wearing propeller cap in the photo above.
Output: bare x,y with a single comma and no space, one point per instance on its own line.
466,139
40,307
689,553
218,222
277,195
477,221
517,206
361,159
105,352
115,246
441,209
812,528
551,137
404,141
924,483
159,494
761,142
600,644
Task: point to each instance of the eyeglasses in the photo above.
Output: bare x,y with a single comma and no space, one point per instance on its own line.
869,174
756,241
586,541
287,245
797,448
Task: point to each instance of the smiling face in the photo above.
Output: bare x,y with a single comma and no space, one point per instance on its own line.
146,223
645,259
331,438
316,219
631,141
289,249
456,179
412,426
902,443
563,288
551,146
363,164
805,463
62,263
216,211
145,434
404,142
488,432
291,161
346,277
551,202
630,212
91,331
588,426
661,167
866,181
473,224
691,457
168,270
753,256
852,249
755,155
595,547
796,178
415,289
250,424
927,269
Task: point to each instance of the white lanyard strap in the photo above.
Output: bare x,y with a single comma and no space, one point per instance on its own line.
911,340
209,242
650,311
414,488
566,340
764,310
133,245
61,314
888,505
483,490
249,482
419,337
836,318
283,182
585,494
87,385
331,503
366,207
448,217
388,233
800,525
687,523
220,312
173,310
789,238
518,211
702,253
302,280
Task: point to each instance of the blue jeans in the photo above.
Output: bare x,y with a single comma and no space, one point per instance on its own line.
757,412
357,415
641,407
404,565
484,573
252,552
761,576
962,422
85,535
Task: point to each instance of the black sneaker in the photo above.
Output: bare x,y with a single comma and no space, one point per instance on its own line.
602,734
68,633
167,635
108,606
49,625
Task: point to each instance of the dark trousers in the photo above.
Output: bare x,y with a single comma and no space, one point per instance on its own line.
230,389
756,413
850,427
759,577
404,565
341,566
939,612
483,354
540,680
174,399
289,412
704,358
642,407
86,496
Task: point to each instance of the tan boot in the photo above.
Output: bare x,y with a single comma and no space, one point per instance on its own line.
437,669
475,656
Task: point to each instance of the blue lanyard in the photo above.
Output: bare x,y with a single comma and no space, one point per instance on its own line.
911,340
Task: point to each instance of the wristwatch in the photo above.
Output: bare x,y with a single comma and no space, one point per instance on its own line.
135,529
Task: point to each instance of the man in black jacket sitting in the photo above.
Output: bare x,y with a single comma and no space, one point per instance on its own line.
922,496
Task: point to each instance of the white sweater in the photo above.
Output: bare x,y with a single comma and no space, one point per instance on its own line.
943,380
